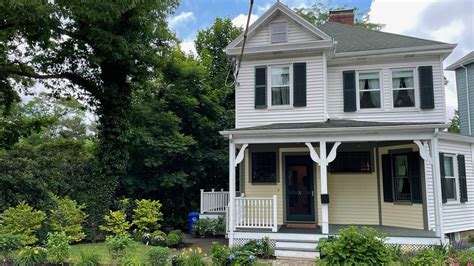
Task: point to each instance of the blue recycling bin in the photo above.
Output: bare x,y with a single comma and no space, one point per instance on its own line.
193,217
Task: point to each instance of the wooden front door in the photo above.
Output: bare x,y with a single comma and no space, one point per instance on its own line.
299,188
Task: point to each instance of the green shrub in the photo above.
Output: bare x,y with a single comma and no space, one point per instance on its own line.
203,227
115,223
173,239
88,258
428,256
57,247
67,216
158,238
266,250
23,221
31,256
8,244
147,215
117,245
355,246
219,254
158,256
189,257
134,261
461,257
218,226
242,256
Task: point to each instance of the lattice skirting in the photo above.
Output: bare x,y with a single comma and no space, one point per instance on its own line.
243,241
407,248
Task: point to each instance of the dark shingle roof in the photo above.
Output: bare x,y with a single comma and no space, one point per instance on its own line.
353,39
339,123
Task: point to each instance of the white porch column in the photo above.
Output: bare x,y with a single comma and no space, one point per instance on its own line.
323,160
324,187
437,188
231,190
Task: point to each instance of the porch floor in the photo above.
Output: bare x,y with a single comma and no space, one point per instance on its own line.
391,231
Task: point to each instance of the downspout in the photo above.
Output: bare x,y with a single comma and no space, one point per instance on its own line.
467,95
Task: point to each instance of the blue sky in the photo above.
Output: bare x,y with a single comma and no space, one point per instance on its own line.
193,15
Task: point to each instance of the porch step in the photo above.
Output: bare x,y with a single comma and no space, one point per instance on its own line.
296,254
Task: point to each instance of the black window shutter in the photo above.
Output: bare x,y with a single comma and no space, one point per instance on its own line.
387,178
462,178
425,75
349,88
443,177
261,87
415,177
299,84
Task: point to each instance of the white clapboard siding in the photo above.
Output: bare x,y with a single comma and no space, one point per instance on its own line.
296,34
459,216
247,115
430,205
335,101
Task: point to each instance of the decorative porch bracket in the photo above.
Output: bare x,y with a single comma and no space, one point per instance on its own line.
424,149
314,155
240,156
333,152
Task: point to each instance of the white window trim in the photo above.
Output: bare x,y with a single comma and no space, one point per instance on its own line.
271,31
415,88
269,87
456,179
363,110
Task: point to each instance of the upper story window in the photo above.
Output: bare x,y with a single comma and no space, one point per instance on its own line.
369,90
450,186
280,85
279,32
403,86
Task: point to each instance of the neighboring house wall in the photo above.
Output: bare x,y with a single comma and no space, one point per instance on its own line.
400,214
459,216
387,113
463,98
296,34
247,115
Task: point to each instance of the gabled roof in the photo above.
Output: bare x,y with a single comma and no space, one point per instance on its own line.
270,13
467,59
356,39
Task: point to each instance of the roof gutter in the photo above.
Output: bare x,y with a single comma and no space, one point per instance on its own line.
300,131
439,48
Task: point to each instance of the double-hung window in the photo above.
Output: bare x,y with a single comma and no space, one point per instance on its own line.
369,90
450,177
279,31
401,178
403,88
280,85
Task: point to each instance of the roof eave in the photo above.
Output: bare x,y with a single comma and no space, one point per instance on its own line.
460,64
298,131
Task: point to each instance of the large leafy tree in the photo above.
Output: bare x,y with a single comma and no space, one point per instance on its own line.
99,51
318,14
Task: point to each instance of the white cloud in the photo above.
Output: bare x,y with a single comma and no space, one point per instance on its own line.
445,21
181,18
187,46
241,20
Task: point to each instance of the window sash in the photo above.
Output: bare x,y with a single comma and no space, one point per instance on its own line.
280,89
279,32
451,178
374,90
398,177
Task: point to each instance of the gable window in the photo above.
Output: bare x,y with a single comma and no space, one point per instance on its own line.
403,86
450,177
402,190
263,167
369,90
351,162
279,32
280,85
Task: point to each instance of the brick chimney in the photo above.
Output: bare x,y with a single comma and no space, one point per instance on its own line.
344,16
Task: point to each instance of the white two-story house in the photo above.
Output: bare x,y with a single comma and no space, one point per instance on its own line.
339,125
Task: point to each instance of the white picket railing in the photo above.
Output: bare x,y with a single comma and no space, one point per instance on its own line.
256,213
214,201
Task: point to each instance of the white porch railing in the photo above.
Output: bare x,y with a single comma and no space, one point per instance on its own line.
214,201
256,213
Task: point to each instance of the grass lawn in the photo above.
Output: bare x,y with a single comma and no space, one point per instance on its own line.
135,249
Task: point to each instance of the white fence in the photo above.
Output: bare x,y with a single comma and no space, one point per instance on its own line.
214,201
256,213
